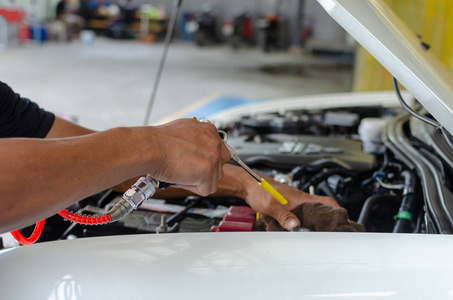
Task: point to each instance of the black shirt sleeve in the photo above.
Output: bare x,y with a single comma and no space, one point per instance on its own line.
19,117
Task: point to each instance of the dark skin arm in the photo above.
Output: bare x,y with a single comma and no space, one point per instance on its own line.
62,128
39,177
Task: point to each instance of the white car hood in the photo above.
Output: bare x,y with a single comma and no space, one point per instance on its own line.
376,27
257,265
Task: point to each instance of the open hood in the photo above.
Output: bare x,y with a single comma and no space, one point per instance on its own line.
376,27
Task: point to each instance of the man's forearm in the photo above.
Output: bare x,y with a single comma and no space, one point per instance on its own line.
62,128
40,177
234,183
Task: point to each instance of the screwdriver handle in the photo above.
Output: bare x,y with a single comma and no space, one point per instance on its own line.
273,192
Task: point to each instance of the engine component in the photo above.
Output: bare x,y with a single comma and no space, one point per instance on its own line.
287,151
370,131
172,224
409,205
438,217
238,218
343,118
366,212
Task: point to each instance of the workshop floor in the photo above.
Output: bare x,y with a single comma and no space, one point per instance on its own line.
109,83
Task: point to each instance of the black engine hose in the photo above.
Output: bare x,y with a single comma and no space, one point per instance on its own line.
318,178
368,205
319,165
409,205
404,216
326,190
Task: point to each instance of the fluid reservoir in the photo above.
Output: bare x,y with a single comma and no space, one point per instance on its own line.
370,131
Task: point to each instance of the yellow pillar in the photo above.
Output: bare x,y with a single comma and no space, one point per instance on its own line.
431,19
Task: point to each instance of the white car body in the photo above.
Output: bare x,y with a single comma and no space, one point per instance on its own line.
259,265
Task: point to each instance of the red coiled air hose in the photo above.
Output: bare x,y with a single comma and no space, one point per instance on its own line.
33,237
67,215
84,219
143,189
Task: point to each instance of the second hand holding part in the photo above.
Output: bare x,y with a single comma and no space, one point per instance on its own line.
263,183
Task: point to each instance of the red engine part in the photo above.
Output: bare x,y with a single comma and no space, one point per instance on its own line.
238,218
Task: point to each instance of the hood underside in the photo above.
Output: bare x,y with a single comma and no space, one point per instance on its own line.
377,28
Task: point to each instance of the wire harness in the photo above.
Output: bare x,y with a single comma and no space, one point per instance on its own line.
427,120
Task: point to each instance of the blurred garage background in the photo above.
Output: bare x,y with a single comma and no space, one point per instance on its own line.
95,61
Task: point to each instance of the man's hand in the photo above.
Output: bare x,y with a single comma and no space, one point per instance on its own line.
264,203
261,201
317,217
191,155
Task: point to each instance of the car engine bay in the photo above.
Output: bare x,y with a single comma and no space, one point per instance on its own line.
387,169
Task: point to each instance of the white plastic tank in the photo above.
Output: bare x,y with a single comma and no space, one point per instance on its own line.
370,131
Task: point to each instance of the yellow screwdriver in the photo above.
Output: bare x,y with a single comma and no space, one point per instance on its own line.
263,183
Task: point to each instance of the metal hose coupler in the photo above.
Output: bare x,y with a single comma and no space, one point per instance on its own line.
142,190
